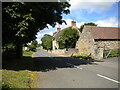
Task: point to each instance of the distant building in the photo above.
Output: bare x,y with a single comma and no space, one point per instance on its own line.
94,40
59,32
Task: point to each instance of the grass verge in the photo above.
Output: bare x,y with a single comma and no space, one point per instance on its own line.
28,54
16,79
84,57
19,73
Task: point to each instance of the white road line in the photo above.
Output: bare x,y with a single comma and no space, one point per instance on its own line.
78,67
108,78
74,66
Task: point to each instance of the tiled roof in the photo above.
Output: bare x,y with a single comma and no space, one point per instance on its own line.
104,32
57,34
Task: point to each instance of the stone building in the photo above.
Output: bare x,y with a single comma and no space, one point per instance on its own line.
94,40
59,32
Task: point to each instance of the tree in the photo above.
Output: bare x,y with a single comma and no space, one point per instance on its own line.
88,24
33,45
47,42
22,21
68,38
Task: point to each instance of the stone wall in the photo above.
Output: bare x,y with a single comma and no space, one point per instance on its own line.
108,44
86,43
59,51
71,52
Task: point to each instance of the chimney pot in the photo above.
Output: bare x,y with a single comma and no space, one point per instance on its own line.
73,23
58,29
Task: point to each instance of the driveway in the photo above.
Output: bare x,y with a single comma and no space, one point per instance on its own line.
65,72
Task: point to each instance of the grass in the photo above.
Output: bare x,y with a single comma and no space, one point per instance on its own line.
28,54
18,73
15,79
113,53
83,57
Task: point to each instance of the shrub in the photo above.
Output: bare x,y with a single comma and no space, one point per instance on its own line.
112,53
83,56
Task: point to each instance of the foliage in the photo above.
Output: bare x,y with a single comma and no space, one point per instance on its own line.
88,24
33,45
83,56
47,42
39,45
22,20
28,54
68,38
113,53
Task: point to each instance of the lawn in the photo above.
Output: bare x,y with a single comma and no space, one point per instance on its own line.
18,73
28,54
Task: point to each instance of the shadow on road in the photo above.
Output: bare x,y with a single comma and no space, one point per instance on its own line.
53,63
43,64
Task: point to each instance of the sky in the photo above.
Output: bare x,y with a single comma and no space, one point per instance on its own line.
100,12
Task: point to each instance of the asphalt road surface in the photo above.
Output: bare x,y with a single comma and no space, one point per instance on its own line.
65,72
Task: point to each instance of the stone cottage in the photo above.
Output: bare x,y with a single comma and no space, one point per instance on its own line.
94,40
59,32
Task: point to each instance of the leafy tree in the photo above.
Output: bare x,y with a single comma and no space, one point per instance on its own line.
68,38
33,45
88,24
39,45
47,42
22,21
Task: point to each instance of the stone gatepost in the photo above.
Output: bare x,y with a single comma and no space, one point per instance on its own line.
100,53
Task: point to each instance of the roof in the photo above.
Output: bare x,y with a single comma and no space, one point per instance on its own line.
57,34
103,32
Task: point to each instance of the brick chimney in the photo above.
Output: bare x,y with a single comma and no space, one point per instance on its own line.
58,29
73,23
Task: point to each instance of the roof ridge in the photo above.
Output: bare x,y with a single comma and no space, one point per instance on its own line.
100,26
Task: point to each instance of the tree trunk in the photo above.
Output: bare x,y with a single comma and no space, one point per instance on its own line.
18,50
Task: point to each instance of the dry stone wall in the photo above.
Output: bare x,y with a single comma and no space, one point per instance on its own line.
107,45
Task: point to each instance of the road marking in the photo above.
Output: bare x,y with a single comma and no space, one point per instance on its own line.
78,67
74,66
108,78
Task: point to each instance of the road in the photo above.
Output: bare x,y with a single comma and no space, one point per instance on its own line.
65,72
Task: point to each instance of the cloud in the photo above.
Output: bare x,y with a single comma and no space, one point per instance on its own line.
92,5
110,22
68,21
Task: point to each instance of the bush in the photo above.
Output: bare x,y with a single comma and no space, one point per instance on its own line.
32,48
112,53
83,56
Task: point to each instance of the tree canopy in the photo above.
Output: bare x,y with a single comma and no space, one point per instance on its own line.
47,42
68,38
88,24
33,45
22,20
